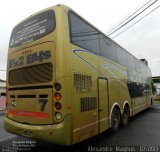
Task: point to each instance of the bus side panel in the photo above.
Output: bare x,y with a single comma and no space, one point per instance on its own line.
85,102
117,83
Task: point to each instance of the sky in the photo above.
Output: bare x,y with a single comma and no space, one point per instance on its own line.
142,39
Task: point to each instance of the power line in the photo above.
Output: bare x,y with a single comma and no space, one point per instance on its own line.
132,18
137,21
128,16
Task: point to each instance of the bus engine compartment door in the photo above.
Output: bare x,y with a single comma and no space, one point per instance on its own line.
103,104
31,106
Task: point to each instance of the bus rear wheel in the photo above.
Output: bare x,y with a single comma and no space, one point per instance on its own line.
115,120
125,116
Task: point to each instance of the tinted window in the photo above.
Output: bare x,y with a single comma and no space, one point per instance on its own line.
138,89
130,59
137,65
107,48
33,29
86,36
82,34
121,56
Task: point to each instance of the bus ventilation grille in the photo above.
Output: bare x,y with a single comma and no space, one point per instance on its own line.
88,104
82,82
41,73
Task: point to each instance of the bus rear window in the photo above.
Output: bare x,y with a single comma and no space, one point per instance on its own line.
33,28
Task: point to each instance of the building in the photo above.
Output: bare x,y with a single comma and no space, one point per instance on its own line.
2,86
156,82
2,94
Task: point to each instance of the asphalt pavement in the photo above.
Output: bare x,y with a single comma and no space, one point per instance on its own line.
141,134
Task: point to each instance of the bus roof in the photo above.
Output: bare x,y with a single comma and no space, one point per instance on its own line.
62,6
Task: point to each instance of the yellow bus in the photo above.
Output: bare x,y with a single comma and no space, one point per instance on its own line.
67,81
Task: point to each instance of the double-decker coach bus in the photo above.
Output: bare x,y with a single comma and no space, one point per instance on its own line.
67,81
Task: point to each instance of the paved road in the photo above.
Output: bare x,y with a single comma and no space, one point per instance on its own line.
3,134
141,134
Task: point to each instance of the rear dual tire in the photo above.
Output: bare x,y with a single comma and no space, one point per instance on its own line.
117,118
125,116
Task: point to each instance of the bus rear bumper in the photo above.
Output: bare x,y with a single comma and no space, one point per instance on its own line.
57,133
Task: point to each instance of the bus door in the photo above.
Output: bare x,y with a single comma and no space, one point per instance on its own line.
103,104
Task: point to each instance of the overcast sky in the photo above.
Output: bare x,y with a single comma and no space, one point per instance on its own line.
142,40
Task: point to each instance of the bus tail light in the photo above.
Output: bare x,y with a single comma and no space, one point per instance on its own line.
57,99
58,106
57,96
58,115
57,86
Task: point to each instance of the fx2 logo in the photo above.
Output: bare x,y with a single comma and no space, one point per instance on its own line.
30,58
